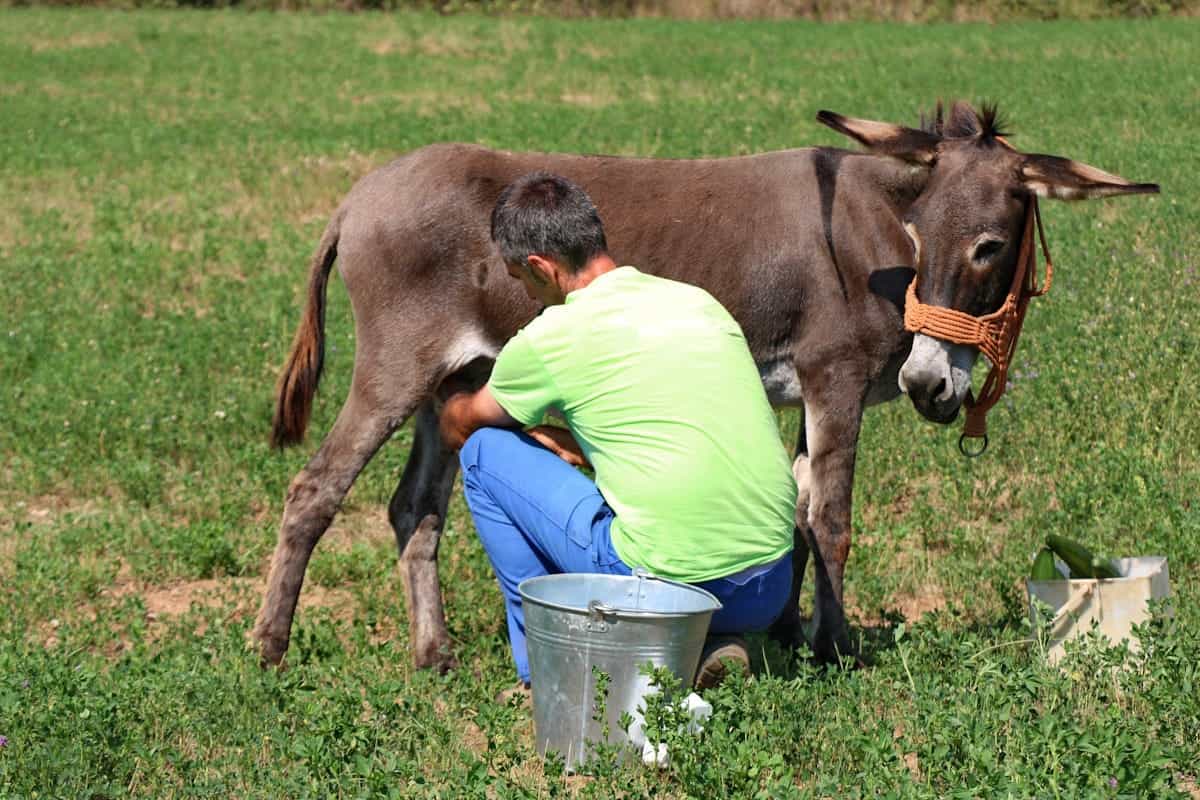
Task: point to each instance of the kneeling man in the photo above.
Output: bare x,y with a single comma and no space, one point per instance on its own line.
660,396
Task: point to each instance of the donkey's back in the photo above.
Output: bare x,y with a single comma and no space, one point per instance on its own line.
760,233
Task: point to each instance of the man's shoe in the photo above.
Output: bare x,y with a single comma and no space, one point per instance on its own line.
718,650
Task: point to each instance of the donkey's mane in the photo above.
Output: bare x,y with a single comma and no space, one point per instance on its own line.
985,125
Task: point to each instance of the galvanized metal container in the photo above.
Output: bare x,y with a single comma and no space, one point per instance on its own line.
616,624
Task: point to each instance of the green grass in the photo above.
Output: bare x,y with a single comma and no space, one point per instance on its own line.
165,177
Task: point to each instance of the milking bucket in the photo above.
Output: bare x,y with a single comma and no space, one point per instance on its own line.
615,624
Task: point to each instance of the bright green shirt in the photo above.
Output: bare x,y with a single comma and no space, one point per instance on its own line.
656,383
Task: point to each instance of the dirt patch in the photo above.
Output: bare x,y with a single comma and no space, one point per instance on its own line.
76,41
883,516
448,43
917,594
1109,214
599,97
8,555
302,193
46,509
910,758
355,525
514,37
473,738
910,605
452,43
243,593
26,200
385,47
916,605
166,602
593,51
426,103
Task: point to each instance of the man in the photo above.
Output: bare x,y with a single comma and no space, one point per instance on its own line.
660,394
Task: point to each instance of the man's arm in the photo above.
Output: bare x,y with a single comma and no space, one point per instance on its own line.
466,412
561,442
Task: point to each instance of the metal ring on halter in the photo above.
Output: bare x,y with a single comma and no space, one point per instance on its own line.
971,453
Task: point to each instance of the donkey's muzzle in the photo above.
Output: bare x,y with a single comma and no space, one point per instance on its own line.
932,395
936,378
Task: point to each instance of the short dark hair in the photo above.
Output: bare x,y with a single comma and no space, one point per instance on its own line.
547,215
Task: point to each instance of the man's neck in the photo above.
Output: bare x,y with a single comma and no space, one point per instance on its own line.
591,270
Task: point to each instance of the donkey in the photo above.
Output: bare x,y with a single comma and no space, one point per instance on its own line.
811,250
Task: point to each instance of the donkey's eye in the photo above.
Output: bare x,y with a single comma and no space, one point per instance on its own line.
986,249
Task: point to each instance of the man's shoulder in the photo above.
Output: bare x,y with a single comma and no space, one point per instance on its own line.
548,325
687,299
634,279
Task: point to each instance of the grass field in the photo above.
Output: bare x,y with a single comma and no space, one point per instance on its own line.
163,180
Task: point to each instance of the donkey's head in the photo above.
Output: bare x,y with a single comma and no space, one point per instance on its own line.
966,227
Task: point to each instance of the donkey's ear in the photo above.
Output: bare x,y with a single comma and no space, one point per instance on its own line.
1064,179
884,138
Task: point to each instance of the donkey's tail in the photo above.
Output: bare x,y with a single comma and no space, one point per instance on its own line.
298,382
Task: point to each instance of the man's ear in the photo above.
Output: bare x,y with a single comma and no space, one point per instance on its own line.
541,269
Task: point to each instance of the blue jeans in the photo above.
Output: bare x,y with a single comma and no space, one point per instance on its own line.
537,515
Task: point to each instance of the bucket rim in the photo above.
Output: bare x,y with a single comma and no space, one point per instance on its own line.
614,610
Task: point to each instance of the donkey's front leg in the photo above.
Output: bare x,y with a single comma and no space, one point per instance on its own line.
788,630
832,426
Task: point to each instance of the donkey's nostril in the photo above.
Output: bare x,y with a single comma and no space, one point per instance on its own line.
940,390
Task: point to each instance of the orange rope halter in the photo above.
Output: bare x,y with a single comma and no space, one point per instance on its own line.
994,334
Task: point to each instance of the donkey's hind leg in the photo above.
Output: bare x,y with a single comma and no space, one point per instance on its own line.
312,500
417,512
788,630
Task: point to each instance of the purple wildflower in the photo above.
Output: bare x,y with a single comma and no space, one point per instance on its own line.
1112,783
3,741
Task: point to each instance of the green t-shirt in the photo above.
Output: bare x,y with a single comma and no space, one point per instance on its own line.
656,382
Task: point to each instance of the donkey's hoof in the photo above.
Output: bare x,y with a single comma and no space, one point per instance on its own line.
270,651
437,658
788,633
835,651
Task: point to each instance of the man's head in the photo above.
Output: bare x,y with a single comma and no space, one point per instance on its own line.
547,231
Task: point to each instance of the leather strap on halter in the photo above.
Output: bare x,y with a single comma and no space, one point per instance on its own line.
994,334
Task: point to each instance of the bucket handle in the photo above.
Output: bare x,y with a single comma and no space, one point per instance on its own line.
599,610
1072,607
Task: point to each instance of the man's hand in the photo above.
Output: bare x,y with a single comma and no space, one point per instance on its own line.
561,442
466,412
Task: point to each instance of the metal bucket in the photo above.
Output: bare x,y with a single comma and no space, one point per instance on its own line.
616,624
